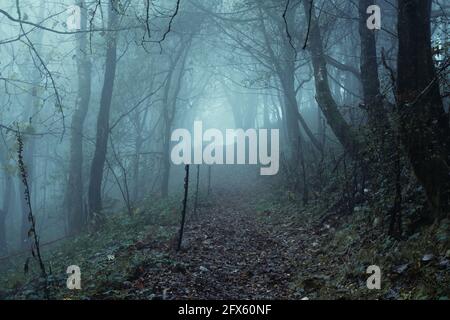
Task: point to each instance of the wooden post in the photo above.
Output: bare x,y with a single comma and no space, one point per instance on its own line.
209,180
183,214
196,191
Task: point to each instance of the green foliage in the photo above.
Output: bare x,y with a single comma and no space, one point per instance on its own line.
337,253
120,237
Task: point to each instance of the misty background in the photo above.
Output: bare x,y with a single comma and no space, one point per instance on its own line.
362,114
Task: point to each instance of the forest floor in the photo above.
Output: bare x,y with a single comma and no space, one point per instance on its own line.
227,253
243,246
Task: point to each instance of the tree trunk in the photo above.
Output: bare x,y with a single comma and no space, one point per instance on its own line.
74,191
373,100
424,124
286,74
169,111
95,184
136,166
235,107
166,161
346,135
250,111
3,244
6,200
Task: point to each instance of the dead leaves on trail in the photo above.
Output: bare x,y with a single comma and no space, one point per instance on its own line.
228,254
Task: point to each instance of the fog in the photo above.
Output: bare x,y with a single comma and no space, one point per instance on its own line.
92,92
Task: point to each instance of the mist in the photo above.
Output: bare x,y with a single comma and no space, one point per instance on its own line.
188,149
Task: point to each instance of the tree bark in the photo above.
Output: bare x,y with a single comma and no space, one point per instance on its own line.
373,99
286,74
98,163
136,166
74,190
424,124
346,135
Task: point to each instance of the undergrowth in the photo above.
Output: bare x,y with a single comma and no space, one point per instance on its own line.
106,258
340,249
336,250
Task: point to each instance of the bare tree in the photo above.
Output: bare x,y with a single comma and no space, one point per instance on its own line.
74,192
98,162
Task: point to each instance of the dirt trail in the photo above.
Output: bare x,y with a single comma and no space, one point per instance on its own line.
227,254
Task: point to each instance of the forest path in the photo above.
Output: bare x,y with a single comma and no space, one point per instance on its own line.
228,253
